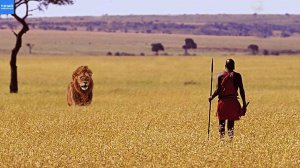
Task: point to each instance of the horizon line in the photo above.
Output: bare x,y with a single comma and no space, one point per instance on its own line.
8,15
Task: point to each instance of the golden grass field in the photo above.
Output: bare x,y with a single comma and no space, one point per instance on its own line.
144,116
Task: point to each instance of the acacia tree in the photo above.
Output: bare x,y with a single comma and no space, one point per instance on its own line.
156,47
189,44
254,49
30,46
27,5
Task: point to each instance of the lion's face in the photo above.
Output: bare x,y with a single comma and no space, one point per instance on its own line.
84,81
83,77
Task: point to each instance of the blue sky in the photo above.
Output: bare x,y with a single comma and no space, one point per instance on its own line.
125,7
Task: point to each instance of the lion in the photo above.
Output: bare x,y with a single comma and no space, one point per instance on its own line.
80,90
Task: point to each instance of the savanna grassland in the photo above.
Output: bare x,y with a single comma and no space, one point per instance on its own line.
99,43
147,112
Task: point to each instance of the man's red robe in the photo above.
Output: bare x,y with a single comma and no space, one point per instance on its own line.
229,107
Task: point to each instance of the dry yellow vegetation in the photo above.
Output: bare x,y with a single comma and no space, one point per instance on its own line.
99,43
143,115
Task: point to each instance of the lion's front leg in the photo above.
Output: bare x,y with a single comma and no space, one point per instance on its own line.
70,96
90,98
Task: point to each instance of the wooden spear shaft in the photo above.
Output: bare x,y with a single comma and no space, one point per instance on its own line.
211,80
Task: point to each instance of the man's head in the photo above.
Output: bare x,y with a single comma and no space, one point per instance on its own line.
229,65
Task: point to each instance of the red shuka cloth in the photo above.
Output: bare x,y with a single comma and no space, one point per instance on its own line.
229,107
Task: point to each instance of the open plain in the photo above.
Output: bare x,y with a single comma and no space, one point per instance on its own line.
147,112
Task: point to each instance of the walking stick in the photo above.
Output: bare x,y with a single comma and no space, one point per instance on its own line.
211,80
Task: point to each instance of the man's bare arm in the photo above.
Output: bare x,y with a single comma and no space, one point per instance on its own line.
241,88
218,89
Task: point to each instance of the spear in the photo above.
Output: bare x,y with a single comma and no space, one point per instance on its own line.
211,80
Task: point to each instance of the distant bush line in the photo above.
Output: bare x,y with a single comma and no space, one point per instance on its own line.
219,28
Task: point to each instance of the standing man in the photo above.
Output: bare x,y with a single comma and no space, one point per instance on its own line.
229,107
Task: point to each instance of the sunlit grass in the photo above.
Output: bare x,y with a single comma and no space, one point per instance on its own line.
143,115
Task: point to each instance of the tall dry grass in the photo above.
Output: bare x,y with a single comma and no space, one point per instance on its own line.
143,115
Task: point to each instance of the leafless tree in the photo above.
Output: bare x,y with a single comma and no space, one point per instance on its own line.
29,6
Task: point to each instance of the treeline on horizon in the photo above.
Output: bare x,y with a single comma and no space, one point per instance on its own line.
220,25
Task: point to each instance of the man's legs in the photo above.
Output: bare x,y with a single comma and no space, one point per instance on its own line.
222,128
230,126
